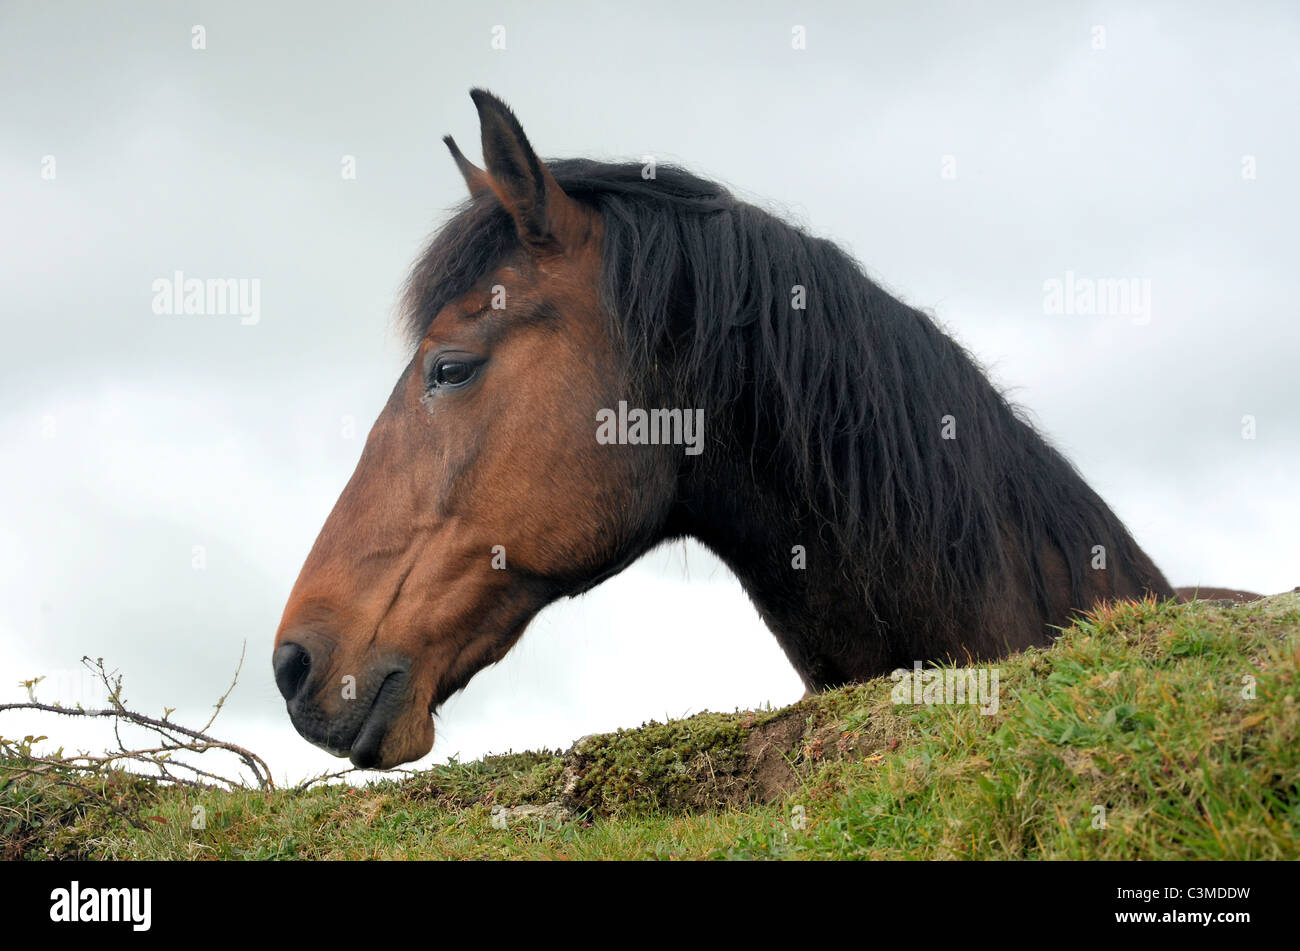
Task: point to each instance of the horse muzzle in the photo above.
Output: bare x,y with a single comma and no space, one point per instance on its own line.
366,716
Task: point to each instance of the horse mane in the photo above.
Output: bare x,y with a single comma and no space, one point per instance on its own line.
848,395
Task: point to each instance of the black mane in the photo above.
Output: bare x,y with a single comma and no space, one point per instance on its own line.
851,391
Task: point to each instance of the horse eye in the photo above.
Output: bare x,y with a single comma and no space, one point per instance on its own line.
453,373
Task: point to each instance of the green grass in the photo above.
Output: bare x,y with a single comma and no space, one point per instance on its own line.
1142,713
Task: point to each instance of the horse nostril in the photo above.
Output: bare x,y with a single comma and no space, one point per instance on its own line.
292,664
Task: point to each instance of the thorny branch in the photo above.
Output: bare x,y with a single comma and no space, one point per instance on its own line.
162,757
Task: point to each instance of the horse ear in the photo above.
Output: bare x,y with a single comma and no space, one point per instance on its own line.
475,177
547,218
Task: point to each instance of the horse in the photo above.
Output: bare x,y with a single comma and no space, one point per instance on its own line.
879,500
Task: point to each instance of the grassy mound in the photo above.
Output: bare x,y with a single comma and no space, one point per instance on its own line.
1147,731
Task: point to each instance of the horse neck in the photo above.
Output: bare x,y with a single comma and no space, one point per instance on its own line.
844,613
803,584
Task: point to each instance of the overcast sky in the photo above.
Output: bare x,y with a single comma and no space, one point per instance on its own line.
968,157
